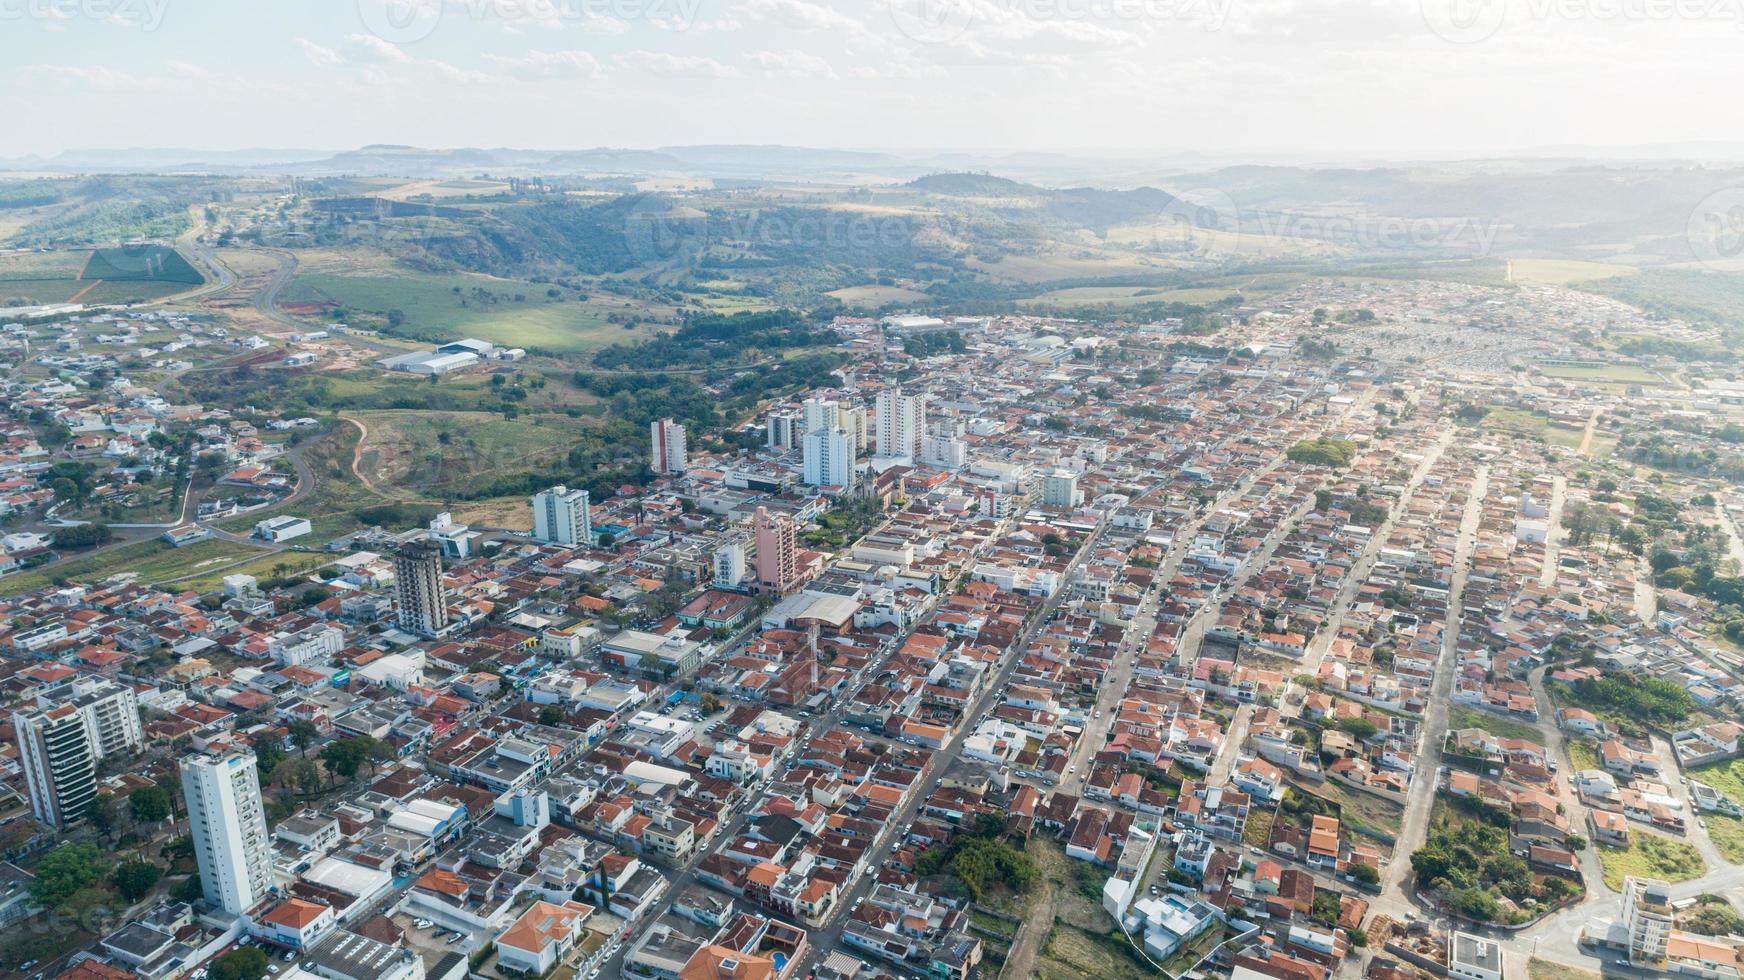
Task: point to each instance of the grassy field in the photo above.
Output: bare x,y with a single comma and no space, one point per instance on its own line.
153,561
1359,809
1650,855
1727,833
1461,717
427,452
1618,373
1533,425
873,296
449,307
269,566
1561,272
1727,777
94,278
1546,970
1582,755
337,494
1075,953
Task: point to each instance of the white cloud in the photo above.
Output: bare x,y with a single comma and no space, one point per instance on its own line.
791,64
321,56
377,49
801,15
678,66
549,64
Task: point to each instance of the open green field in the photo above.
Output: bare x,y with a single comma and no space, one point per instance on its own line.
444,307
873,296
1462,717
1074,953
1533,425
1650,855
429,451
337,495
1727,777
94,277
152,560
1727,833
1618,373
268,566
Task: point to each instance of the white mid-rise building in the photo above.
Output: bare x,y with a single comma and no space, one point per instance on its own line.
1060,489
901,424
829,459
730,564
668,453
109,710
228,825
560,516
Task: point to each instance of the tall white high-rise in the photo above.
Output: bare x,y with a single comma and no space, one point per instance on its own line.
60,766
901,423
821,414
228,825
560,516
829,459
667,450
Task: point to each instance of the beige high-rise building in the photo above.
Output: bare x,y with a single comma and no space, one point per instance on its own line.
777,551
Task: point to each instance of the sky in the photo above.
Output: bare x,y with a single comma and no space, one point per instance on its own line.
1339,78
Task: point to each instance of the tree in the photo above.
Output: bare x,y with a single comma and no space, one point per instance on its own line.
64,871
135,879
149,804
344,757
550,715
304,734
1365,873
246,963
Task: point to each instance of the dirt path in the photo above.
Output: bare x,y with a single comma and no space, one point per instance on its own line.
1038,924
357,465
1586,446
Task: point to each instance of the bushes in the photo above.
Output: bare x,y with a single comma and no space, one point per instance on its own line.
1642,700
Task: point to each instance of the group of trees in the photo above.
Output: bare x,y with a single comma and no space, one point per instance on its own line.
1466,864
344,757
980,858
83,535
1634,701
1333,453
81,882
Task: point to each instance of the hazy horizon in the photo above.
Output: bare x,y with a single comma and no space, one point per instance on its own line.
1339,80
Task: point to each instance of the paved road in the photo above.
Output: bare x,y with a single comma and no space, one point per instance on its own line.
1393,898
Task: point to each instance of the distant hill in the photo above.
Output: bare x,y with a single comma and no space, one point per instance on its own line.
1083,207
973,185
